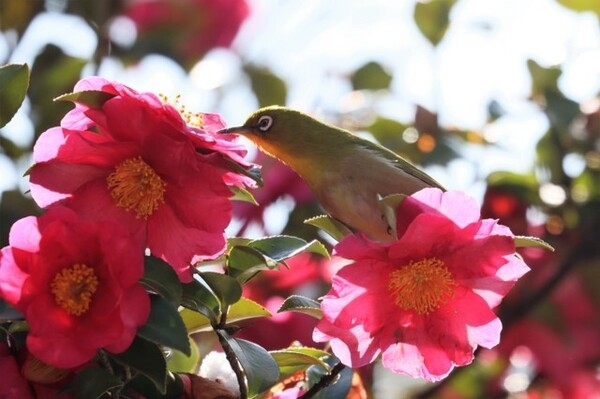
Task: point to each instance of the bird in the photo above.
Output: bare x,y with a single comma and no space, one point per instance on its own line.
348,174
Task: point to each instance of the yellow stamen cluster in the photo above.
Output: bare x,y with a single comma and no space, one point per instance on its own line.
421,286
74,287
194,119
135,186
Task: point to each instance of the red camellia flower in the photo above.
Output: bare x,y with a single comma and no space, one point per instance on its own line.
76,282
133,159
189,28
424,301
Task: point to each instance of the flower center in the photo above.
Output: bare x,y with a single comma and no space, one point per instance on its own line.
73,288
135,186
421,286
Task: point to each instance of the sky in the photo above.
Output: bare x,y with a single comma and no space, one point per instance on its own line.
315,45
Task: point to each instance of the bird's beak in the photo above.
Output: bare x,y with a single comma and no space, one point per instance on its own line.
235,130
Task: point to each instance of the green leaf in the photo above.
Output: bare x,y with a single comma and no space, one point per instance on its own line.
244,262
165,327
14,81
179,362
199,298
160,277
241,310
336,229
582,5
91,98
259,366
433,18
268,88
371,76
8,312
240,194
226,288
294,359
280,248
146,358
543,80
144,388
526,241
339,388
93,382
297,303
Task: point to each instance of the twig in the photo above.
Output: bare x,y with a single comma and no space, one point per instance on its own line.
232,359
324,382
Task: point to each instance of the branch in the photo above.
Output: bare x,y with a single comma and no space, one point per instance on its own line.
233,361
324,382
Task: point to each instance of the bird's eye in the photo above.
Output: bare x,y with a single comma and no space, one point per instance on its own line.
264,123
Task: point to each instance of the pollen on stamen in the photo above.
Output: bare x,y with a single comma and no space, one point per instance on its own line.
135,186
194,119
421,286
74,287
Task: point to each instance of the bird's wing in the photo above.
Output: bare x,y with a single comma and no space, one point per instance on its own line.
399,162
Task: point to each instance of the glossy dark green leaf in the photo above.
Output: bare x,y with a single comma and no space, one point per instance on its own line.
268,88
243,262
336,229
339,387
160,277
14,81
179,362
241,310
141,385
226,288
371,76
146,358
301,304
165,327
8,312
259,366
93,383
433,18
198,297
282,247
91,98
294,359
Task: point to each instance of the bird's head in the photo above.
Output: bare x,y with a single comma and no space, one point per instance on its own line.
282,132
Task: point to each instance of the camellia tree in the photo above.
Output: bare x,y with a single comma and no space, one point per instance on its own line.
121,274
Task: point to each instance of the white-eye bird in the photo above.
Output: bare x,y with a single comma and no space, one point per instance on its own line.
348,174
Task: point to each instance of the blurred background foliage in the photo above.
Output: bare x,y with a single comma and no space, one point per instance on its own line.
551,338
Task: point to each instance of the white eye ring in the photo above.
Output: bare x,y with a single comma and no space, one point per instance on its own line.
264,123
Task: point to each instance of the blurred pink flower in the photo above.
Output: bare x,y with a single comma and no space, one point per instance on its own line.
424,302
566,347
189,28
281,181
135,161
77,283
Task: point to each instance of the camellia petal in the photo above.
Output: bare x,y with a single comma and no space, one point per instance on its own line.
424,302
76,287
138,163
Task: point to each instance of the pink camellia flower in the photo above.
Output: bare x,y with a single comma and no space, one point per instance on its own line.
423,302
134,160
77,283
